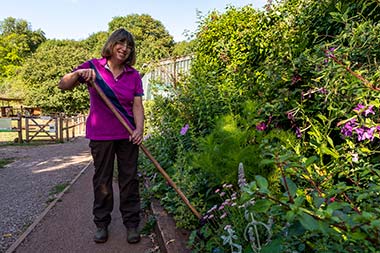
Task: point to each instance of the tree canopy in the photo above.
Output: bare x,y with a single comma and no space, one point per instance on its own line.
153,41
31,66
17,42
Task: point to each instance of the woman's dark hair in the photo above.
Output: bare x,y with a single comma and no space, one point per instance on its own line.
120,36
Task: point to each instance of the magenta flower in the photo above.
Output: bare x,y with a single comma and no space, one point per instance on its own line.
184,129
298,132
323,91
261,126
365,133
290,116
329,52
348,127
359,108
296,78
369,110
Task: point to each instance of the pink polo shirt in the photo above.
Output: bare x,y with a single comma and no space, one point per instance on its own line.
101,123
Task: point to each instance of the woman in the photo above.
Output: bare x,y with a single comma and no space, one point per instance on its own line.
122,84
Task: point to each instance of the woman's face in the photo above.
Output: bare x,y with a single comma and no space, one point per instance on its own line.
121,52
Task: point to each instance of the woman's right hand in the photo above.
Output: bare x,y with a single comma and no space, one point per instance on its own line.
87,74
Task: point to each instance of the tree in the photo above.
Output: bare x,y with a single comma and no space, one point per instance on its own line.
183,48
153,41
11,26
95,43
41,73
17,41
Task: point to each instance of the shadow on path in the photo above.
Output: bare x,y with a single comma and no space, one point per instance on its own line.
68,226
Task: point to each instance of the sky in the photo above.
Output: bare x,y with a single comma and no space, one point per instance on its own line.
77,19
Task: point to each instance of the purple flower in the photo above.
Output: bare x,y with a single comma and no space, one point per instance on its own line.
329,52
365,133
290,116
296,78
184,129
323,90
369,110
261,126
298,132
348,127
359,108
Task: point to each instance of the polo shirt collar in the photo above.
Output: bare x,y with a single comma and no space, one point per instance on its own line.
103,62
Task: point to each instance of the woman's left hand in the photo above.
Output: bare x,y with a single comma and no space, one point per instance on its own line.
137,136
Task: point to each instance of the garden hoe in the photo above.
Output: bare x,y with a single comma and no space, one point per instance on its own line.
143,148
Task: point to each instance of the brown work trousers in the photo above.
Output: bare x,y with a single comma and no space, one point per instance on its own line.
103,153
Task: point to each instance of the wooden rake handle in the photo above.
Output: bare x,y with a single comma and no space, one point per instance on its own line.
144,149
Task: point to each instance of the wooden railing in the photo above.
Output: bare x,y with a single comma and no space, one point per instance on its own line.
59,128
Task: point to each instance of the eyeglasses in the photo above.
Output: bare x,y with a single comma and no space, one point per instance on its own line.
125,44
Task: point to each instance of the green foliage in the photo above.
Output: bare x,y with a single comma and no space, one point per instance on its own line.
5,161
42,72
17,41
95,43
228,47
183,48
220,152
34,76
153,42
286,80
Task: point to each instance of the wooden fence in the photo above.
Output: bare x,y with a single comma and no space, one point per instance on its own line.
58,128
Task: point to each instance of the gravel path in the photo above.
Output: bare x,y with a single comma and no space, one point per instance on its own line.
26,185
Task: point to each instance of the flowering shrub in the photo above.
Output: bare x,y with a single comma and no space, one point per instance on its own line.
292,93
361,125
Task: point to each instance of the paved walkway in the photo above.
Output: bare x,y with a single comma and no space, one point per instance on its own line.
68,226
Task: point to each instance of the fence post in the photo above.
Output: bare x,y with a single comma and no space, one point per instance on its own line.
67,129
60,128
19,126
73,126
56,128
26,128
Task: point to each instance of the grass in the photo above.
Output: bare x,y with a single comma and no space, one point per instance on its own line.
56,190
5,161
